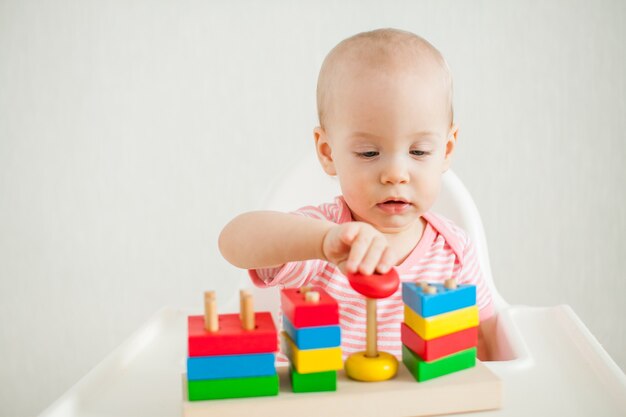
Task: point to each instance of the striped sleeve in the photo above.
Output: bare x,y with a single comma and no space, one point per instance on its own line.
471,273
299,273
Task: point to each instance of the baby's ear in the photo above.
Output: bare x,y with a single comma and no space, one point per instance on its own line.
324,151
450,145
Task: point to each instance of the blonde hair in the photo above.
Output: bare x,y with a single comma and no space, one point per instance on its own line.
381,49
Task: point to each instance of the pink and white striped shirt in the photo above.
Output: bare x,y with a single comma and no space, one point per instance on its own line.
444,251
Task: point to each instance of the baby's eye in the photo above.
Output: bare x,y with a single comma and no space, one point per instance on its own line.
418,153
368,154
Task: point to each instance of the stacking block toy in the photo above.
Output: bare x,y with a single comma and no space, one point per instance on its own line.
232,338
440,330
312,338
303,313
307,361
316,337
231,355
230,366
440,346
423,371
315,382
442,324
215,389
413,296
372,365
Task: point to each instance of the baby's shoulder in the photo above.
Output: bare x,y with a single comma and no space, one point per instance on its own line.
448,229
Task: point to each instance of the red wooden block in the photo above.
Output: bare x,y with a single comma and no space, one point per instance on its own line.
375,285
231,338
302,313
433,349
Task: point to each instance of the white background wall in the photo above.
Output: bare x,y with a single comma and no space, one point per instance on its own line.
132,131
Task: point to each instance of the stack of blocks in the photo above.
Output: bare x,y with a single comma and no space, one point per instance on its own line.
440,329
231,355
311,338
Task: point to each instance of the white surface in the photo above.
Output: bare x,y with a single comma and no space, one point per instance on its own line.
132,131
560,370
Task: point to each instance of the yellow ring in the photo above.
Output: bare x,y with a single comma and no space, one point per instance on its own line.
381,368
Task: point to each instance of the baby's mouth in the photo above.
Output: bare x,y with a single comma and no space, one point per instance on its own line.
394,206
395,201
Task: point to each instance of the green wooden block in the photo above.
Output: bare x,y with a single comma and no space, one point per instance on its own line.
214,389
314,382
423,371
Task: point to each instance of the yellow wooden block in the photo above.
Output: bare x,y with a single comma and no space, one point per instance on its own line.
307,361
380,368
442,324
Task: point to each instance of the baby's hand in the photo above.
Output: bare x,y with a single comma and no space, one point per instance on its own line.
358,246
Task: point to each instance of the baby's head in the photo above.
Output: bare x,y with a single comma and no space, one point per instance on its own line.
386,125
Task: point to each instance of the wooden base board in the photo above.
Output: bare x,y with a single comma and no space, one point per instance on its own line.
473,389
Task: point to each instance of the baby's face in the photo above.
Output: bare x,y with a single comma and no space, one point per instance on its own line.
389,139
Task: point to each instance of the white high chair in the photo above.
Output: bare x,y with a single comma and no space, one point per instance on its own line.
548,361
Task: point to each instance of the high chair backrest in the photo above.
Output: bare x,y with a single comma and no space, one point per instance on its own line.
307,184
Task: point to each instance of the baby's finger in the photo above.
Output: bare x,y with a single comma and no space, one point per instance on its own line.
387,260
349,233
373,255
358,251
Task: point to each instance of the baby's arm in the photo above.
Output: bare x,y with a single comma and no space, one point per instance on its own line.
263,239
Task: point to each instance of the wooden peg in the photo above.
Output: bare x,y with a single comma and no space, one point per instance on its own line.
211,323
242,295
371,330
423,285
430,290
247,313
312,297
450,284
305,289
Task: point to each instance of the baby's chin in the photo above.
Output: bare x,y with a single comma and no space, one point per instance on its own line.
394,224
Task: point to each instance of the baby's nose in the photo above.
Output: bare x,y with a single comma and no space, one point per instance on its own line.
395,172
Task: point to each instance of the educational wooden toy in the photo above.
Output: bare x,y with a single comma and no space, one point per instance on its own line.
303,313
423,371
315,382
231,355
442,324
230,366
374,286
444,341
443,300
232,339
252,374
315,337
372,365
313,350
432,349
307,361
217,389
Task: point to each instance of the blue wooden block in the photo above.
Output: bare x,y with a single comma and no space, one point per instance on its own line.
317,337
427,305
230,366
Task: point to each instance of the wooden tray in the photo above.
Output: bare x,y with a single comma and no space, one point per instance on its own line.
469,390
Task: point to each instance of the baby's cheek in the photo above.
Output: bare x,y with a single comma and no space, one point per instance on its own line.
352,184
429,187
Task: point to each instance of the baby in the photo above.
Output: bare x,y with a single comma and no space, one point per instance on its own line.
386,130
